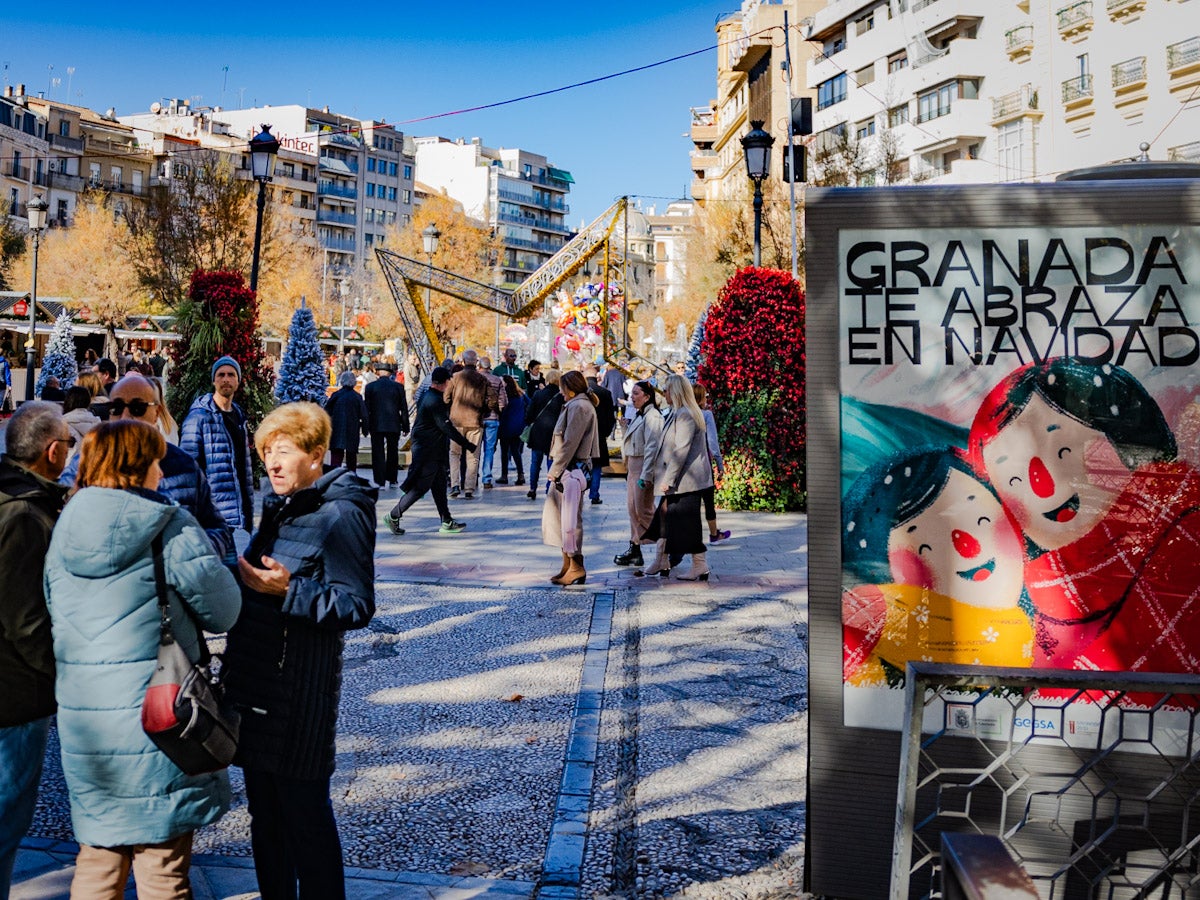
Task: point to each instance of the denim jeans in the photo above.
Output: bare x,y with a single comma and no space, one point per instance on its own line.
535,466
594,480
491,431
21,750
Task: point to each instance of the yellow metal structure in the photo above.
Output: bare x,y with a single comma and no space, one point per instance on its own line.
407,278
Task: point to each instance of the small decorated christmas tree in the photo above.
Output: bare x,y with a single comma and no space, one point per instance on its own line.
691,365
59,361
302,371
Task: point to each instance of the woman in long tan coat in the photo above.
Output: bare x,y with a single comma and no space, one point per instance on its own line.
681,471
576,442
639,447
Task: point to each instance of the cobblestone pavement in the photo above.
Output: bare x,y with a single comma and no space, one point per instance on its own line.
502,738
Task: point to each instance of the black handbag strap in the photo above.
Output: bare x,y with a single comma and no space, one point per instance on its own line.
166,632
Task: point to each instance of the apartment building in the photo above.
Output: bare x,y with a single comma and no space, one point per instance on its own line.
23,151
518,193
752,85
670,231
975,91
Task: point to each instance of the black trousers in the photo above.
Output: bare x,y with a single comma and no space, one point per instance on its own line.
294,838
385,456
436,485
512,448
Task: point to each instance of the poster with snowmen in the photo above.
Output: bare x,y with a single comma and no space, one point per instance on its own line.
1020,436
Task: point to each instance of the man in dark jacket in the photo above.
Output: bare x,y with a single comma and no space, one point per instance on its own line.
38,442
348,413
467,395
133,397
387,417
431,437
606,421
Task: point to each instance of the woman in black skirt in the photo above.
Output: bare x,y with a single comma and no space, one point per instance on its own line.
681,472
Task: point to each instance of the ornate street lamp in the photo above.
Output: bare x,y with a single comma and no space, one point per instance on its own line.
263,149
37,208
757,147
430,237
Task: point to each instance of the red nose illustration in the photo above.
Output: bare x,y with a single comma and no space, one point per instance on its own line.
965,544
1040,479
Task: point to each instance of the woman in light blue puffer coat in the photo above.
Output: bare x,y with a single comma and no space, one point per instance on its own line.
130,805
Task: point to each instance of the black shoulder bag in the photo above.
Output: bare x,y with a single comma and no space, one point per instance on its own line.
185,712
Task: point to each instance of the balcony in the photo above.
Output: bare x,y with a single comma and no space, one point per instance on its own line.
333,189
123,187
703,160
1018,43
1076,20
72,183
1015,105
1077,97
1119,10
341,245
341,137
555,205
704,124
17,171
330,217
1129,75
1183,56
1185,153
66,143
340,166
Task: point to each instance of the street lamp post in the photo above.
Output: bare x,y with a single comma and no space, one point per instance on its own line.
430,236
757,148
263,149
37,208
343,289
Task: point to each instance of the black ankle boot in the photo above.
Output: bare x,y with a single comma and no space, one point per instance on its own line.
631,557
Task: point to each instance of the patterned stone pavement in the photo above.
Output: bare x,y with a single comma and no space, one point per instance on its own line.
503,738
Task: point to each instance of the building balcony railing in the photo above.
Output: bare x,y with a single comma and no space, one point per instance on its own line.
1185,153
342,245
1014,104
72,183
18,211
66,143
17,171
533,222
343,138
1183,55
40,178
919,5
329,217
339,165
1019,41
555,205
1075,18
1077,90
1120,9
546,180
1129,74
124,187
333,189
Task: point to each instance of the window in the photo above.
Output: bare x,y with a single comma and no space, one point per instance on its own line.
368,239
63,212
370,164
864,129
392,169
865,75
408,173
935,103
865,24
406,197
831,91
137,181
370,189
64,128
117,177
835,44
391,193
898,61
898,115
94,176
370,217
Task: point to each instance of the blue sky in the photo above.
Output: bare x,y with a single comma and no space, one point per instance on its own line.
397,61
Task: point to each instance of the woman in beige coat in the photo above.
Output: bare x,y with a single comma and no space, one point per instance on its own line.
639,447
576,442
682,471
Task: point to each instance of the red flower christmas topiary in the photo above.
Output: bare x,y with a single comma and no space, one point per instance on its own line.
753,370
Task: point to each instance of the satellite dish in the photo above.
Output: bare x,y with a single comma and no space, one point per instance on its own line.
156,107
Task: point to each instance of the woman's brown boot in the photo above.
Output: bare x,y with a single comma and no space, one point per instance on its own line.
575,573
566,564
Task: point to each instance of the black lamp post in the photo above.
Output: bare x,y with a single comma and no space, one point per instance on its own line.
757,147
430,237
36,208
263,149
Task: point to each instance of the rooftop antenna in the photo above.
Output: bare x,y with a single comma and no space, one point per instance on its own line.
224,82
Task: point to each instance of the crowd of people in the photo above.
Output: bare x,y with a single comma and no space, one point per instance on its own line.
80,622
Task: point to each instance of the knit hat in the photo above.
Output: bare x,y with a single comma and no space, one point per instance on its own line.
226,361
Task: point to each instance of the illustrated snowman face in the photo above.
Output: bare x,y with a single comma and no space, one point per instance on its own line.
962,545
1057,476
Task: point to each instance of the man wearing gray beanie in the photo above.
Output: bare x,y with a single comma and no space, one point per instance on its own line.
214,433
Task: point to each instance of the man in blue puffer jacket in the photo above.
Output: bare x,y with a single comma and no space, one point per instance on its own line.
133,397
215,435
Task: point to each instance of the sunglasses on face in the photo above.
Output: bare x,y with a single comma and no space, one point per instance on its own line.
136,407
69,440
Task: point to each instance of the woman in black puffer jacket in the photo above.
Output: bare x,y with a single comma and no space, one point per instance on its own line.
543,411
307,577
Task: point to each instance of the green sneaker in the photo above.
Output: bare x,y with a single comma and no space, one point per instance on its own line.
452,527
392,523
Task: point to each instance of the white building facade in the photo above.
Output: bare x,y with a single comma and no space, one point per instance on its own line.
517,193
958,91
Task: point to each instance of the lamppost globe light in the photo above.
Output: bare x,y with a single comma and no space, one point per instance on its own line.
263,148
38,210
756,145
430,236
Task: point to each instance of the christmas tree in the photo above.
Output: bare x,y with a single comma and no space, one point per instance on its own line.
691,366
59,361
302,371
